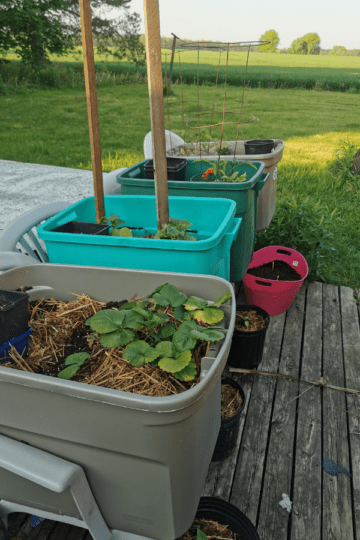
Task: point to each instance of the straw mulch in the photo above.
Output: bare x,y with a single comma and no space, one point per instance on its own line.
58,325
231,401
212,529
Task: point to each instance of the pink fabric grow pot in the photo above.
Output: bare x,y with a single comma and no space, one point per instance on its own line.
274,296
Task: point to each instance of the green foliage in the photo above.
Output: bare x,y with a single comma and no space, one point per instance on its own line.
167,346
74,361
307,227
176,230
204,312
308,44
224,171
33,29
273,37
114,222
342,166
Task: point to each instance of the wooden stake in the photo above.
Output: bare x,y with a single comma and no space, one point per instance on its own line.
155,84
92,108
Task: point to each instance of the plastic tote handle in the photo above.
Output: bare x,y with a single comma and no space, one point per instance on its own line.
231,235
261,182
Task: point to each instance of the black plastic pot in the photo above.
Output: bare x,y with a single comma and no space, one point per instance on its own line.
83,227
3,531
226,513
247,347
229,428
259,146
13,314
175,168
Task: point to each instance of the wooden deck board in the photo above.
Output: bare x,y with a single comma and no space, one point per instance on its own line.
306,493
337,506
287,429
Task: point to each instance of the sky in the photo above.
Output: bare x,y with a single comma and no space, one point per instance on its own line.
336,22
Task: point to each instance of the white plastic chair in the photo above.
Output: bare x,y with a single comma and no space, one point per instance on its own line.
171,141
19,243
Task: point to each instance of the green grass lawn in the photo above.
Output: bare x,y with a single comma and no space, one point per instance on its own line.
50,127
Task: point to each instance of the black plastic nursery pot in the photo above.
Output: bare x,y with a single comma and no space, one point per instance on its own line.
229,427
259,146
13,314
247,346
83,227
175,168
226,513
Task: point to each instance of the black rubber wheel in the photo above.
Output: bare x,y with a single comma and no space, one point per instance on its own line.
3,532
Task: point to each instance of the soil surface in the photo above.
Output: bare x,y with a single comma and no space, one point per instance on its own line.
231,401
276,270
212,529
249,321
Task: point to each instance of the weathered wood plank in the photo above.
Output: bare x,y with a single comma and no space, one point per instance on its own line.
274,520
249,472
306,513
337,507
351,351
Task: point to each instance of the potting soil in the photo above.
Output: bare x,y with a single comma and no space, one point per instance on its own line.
212,529
276,270
255,321
231,401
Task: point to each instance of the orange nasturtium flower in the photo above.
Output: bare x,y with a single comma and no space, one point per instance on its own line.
209,171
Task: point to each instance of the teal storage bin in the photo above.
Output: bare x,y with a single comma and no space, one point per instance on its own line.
135,182
213,219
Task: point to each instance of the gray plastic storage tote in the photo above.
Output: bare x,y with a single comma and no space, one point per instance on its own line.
145,458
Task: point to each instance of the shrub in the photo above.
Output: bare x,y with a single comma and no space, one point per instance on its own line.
305,227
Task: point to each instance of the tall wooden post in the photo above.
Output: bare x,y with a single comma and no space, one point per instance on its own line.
155,83
92,108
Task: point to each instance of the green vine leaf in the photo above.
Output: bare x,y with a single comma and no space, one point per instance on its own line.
201,535
124,231
207,334
119,338
181,314
166,331
164,349
222,300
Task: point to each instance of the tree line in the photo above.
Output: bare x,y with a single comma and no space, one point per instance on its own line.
35,28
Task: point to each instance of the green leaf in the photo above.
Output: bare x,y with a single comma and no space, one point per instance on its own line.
68,372
166,331
106,320
188,373
209,315
169,294
164,348
182,339
155,320
172,365
181,314
222,300
139,352
194,303
133,320
124,231
76,358
120,338
207,334
201,535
